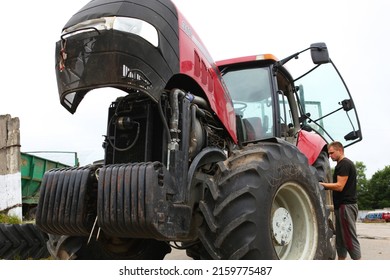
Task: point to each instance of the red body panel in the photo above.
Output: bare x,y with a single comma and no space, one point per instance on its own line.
310,144
196,62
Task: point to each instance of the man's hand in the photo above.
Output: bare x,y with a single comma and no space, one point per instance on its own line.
338,186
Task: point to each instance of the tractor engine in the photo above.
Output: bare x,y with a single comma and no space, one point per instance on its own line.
140,130
141,189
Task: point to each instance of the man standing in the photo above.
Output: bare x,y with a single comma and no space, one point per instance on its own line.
345,202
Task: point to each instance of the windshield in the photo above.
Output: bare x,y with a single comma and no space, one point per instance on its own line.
325,102
250,90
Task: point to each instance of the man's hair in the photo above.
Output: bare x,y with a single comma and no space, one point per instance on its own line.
337,145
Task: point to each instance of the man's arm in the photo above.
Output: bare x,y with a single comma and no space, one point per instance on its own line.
338,186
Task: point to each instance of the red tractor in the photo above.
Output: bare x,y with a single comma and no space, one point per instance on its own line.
220,159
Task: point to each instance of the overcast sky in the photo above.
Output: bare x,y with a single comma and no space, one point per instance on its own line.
356,33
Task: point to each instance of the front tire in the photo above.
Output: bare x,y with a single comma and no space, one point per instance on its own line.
106,248
265,204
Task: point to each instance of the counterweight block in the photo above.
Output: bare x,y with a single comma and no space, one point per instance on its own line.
137,200
67,201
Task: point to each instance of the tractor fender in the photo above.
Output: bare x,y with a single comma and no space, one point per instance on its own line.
310,144
206,156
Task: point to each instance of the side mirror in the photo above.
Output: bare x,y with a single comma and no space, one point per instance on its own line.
353,135
347,104
319,53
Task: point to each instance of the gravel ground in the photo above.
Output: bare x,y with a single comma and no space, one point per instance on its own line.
374,240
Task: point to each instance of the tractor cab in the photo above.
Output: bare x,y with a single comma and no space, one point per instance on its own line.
301,98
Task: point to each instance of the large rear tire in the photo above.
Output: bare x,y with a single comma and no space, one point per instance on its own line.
265,204
324,174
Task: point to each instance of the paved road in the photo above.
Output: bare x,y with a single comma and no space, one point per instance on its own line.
374,240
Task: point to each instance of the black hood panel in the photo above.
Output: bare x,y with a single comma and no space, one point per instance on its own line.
111,58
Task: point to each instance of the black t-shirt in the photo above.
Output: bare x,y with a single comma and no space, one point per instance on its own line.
348,196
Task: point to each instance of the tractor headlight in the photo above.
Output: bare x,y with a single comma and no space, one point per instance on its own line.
129,25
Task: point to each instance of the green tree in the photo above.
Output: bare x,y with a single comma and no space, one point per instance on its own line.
363,191
361,176
379,186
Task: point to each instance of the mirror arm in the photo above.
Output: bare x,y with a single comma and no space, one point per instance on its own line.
328,114
287,59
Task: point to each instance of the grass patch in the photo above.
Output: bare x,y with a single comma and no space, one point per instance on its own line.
5,219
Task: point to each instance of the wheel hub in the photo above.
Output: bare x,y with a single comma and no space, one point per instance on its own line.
282,226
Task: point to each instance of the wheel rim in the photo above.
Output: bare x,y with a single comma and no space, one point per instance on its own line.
293,223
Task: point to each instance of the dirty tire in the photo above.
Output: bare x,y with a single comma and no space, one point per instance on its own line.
265,204
197,251
22,241
107,248
324,174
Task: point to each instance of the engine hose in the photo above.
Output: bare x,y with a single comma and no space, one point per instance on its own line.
128,147
174,101
164,120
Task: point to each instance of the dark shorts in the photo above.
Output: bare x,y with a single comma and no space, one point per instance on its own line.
346,237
